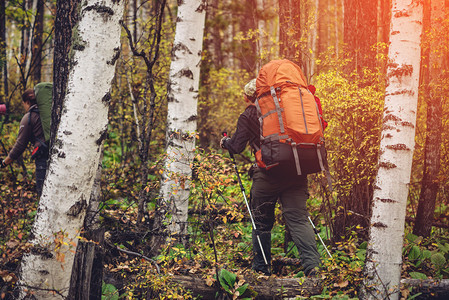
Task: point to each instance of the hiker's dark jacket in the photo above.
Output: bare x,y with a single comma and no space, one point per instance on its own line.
30,131
248,131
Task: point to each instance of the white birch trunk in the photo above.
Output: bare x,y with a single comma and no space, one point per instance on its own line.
182,112
76,153
384,255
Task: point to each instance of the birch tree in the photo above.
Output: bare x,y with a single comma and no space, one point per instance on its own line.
46,269
181,118
384,255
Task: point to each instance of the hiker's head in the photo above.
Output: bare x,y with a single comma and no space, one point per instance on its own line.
250,90
29,97
312,89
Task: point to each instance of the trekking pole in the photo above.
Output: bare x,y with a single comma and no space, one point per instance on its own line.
242,188
321,240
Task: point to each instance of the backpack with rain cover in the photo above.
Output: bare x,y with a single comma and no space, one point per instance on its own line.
291,132
44,99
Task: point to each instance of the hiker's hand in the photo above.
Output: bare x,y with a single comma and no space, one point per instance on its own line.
225,138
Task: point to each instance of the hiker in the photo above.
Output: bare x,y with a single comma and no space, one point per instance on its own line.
269,186
30,130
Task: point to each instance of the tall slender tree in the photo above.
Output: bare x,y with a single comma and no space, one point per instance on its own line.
181,119
76,152
36,51
384,255
435,14
290,30
3,60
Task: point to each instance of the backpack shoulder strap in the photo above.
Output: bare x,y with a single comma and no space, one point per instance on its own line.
35,110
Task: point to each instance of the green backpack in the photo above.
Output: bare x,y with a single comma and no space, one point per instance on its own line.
44,99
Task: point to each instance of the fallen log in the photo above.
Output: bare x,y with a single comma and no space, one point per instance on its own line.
265,287
278,288
429,289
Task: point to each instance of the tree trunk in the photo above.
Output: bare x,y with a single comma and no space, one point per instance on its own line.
65,20
290,30
36,51
384,255
181,118
429,189
87,273
3,58
75,155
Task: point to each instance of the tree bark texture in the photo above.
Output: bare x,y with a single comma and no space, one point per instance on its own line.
36,51
182,115
266,288
65,20
290,30
384,254
360,34
4,68
75,156
280,288
429,189
87,273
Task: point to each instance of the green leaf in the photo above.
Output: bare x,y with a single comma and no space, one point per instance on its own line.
426,254
414,253
438,259
418,275
227,279
411,237
109,292
243,288
444,248
363,245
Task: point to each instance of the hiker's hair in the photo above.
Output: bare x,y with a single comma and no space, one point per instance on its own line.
29,96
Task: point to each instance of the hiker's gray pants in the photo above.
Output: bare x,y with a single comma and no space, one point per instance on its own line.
41,169
292,194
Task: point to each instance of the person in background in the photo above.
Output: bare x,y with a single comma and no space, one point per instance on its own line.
30,130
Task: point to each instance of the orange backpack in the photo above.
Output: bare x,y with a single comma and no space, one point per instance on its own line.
290,126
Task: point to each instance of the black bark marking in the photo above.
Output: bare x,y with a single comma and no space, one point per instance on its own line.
79,47
181,2
400,71
401,92
185,73
398,147
42,252
61,154
407,124
387,200
379,225
103,135
77,208
101,9
192,118
387,165
115,57
391,117
106,98
402,13
202,7
181,47
66,132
